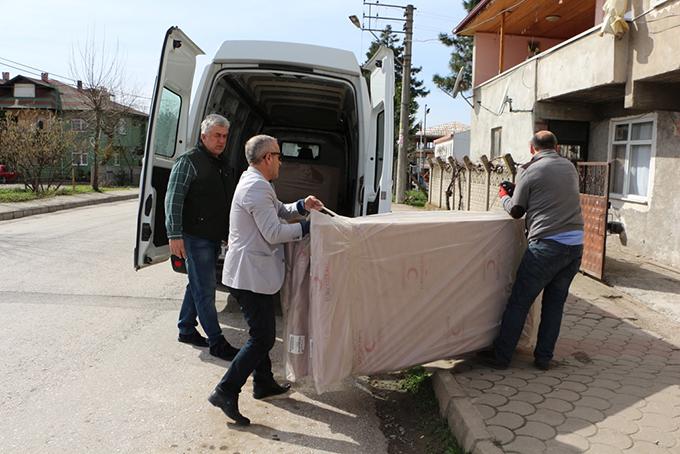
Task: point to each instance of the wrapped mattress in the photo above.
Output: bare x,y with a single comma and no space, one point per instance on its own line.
386,292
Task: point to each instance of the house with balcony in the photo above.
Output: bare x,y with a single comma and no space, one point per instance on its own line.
545,64
121,166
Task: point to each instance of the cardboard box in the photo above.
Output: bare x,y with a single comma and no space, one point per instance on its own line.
387,292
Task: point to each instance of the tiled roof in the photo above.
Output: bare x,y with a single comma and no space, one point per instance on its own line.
444,129
72,99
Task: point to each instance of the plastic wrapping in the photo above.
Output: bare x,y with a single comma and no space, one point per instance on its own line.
295,308
387,292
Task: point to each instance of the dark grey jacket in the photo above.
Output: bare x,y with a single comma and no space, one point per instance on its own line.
548,192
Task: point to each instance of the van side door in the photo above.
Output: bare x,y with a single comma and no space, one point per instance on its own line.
378,198
165,141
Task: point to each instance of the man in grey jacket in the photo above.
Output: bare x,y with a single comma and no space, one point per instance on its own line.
547,192
254,270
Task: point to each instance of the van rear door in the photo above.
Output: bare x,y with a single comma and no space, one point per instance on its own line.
378,196
165,141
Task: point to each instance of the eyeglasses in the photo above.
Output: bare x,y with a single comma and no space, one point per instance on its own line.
278,155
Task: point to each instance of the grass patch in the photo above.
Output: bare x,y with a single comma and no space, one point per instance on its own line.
14,194
409,413
415,197
418,382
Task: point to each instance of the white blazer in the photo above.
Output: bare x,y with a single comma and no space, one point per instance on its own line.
255,258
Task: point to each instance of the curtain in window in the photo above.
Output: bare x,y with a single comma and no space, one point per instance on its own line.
638,181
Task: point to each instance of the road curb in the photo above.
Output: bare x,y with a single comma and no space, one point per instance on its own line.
30,211
464,420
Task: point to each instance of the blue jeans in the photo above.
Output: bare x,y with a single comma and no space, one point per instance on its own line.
258,310
549,266
199,297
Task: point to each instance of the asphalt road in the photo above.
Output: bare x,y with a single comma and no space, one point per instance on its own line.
89,360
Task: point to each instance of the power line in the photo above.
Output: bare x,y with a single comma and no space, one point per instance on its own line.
4,61
36,69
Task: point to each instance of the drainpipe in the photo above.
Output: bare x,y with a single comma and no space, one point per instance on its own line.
502,44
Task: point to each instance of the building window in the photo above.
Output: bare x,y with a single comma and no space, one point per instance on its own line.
116,159
495,142
79,159
632,147
121,127
78,124
300,150
24,91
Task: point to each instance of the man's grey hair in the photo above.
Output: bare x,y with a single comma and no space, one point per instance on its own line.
213,120
258,146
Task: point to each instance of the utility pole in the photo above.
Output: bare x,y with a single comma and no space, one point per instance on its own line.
402,161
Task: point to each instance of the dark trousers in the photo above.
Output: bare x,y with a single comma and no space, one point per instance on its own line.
258,310
549,266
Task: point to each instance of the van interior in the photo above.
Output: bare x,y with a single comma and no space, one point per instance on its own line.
313,117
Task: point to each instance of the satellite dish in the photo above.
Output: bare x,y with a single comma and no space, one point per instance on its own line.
459,79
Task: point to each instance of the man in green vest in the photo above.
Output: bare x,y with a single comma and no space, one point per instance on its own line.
197,221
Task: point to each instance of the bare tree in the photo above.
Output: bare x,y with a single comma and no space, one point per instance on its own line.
36,144
103,91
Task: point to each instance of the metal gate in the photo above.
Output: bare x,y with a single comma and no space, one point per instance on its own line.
594,189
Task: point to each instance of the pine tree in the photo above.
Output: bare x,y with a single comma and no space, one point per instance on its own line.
461,57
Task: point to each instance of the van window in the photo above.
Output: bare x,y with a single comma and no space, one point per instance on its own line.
300,150
165,140
379,149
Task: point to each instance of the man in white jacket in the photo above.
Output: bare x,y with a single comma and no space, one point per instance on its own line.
254,270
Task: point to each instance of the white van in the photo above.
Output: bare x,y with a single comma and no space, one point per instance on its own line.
335,132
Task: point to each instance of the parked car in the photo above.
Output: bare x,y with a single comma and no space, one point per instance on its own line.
6,176
335,128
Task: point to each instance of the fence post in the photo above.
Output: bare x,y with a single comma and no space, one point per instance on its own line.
487,169
451,191
469,166
429,184
511,165
440,164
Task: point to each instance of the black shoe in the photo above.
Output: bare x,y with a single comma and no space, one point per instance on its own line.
270,391
229,405
223,350
193,339
489,359
542,364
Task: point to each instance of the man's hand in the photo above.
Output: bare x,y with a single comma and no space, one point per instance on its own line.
312,203
177,248
505,188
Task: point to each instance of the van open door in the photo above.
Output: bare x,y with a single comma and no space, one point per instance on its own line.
378,195
165,141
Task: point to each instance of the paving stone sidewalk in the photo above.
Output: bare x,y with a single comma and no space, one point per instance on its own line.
21,209
616,388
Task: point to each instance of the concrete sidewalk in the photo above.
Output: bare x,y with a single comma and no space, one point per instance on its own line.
616,388
62,202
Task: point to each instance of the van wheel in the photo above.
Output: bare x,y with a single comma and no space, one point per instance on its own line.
3,180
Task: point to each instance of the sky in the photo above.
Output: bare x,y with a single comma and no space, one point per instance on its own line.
43,35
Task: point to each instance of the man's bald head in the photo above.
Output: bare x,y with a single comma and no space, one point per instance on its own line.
544,140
